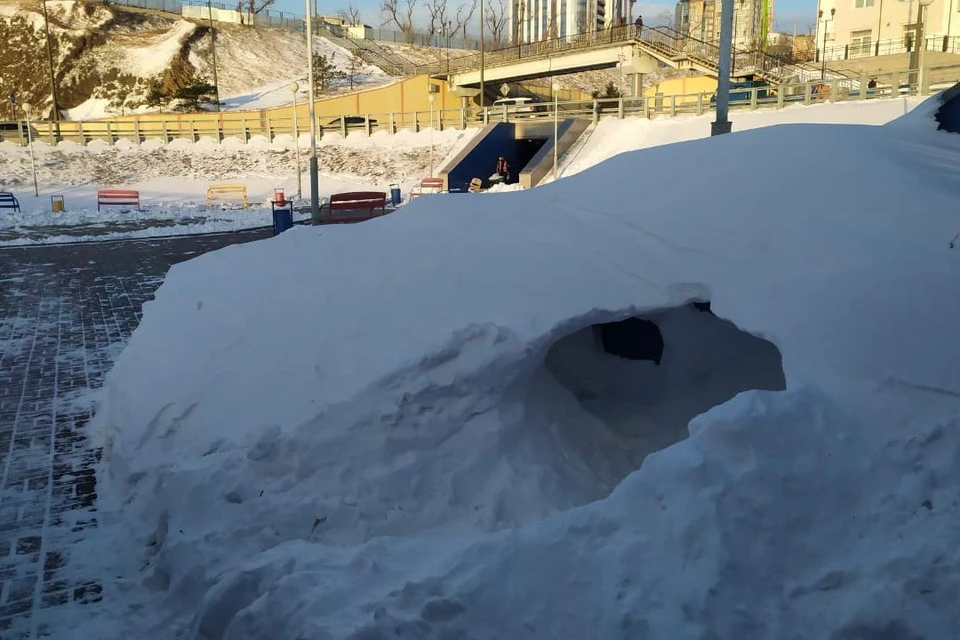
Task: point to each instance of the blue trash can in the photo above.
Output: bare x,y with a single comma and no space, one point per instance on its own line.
282,220
395,194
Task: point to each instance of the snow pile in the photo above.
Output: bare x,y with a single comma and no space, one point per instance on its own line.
440,439
611,136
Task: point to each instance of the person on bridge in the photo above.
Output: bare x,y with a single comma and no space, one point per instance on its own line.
638,23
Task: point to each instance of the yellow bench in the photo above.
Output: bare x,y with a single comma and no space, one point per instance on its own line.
227,192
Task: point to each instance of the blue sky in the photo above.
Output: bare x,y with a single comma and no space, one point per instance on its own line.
786,12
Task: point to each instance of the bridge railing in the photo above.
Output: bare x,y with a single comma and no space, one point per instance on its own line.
533,50
248,126
890,46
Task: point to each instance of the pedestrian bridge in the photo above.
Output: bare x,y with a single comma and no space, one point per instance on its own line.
637,53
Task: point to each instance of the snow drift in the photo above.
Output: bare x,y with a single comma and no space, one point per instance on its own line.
430,425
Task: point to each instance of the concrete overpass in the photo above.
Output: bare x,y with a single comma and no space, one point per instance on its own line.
605,49
634,60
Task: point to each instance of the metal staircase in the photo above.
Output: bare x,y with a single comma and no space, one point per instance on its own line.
391,62
686,52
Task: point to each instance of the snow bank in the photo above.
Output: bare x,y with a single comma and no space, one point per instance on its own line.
612,136
410,427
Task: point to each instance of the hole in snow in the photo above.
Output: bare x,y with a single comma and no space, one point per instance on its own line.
633,339
612,393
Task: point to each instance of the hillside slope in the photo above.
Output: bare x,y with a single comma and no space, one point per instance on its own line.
105,56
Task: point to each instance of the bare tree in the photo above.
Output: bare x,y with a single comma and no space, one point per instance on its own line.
350,15
665,19
496,19
464,16
437,11
521,6
400,13
251,8
354,67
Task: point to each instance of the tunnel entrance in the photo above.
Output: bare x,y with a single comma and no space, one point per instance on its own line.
615,392
517,144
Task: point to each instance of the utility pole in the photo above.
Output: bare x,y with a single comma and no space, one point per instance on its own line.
482,96
314,171
722,124
53,79
213,47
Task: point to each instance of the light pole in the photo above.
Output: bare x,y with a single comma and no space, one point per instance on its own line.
921,44
432,98
482,96
823,50
33,162
556,127
213,49
722,123
314,171
294,87
53,80
736,22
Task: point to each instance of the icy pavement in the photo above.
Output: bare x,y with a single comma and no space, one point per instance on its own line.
65,312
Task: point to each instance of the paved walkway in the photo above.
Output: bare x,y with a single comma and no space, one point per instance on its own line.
65,313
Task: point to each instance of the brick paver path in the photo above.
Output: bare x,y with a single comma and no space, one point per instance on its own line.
65,313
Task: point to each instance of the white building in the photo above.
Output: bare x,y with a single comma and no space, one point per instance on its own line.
860,28
535,20
700,19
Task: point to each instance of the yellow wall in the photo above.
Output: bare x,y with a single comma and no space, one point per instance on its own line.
681,86
407,95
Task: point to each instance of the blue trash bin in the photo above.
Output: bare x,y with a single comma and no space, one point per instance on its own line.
395,194
282,220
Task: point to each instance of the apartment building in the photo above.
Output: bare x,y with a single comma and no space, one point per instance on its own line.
535,20
860,28
700,19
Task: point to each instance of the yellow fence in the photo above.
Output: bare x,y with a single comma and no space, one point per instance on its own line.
274,122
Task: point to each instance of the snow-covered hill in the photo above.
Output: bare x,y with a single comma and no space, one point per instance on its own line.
106,56
447,442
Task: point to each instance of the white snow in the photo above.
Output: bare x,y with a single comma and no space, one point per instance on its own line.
408,428
173,178
153,57
611,136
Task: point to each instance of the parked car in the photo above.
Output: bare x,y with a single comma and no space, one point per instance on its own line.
528,107
740,91
12,129
352,122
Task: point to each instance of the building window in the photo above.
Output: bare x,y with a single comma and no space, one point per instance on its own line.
860,42
862,4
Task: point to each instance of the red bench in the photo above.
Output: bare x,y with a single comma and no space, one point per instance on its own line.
427,185
355,206
124,197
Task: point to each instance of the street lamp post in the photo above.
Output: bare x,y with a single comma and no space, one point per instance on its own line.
556,127
314,171
33,162
53,79
722,124
921,44
823,50
736,27
482,87
294,87
432,97
213,49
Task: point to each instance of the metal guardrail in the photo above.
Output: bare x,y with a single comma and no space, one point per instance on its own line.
246,126
904,44
264,18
